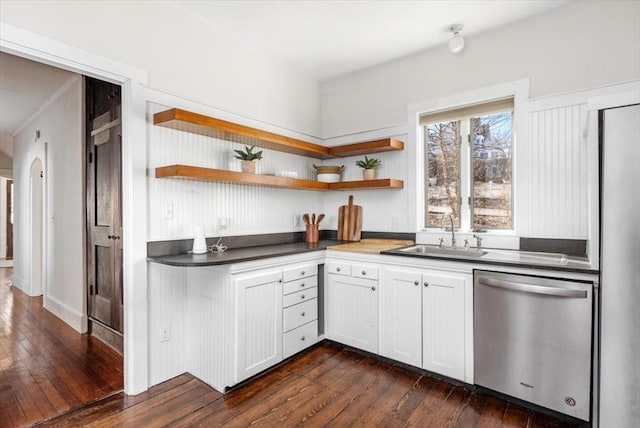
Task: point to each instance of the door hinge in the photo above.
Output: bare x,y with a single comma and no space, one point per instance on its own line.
90,157
41,174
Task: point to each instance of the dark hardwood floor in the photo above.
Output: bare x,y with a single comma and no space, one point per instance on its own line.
328,385
46,367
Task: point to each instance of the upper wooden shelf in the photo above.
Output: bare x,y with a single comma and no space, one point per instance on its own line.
205,125
367,147
221,175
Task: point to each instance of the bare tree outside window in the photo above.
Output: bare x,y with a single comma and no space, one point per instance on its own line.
486,189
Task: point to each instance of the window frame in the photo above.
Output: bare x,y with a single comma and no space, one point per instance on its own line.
519,91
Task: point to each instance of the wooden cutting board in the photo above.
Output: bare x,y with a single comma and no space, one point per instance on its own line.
349,221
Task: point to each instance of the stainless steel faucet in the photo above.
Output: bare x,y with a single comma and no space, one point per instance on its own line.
453,228
479,241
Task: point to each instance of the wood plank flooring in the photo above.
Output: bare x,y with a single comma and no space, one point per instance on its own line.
46,367
328,385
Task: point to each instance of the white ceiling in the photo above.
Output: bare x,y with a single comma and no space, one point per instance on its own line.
24,87
331,38
324,38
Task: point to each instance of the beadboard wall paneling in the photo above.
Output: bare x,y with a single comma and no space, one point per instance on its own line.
248,209
167,296
558,173
379,207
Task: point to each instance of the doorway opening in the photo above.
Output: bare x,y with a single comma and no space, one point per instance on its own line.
36,214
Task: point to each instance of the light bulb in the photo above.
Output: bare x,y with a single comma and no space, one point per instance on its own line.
456,44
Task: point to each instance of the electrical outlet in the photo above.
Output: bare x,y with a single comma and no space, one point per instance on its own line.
222,222
165,333
296,220
167,211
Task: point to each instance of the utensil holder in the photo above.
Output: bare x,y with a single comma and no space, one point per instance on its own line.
312,234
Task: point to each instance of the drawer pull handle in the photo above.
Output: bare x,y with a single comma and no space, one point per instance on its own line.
302,285
280,280
303,314
416,283
302,273
364,272
302,338
426,284
373,288
302,297
337,269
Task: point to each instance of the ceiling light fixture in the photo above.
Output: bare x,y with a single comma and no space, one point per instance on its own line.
456,44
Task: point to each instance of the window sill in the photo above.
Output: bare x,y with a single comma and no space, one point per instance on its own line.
507,240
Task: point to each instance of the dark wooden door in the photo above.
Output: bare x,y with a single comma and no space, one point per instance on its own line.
9,219
104,203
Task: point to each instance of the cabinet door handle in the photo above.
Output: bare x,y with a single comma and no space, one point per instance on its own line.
415,283
364,272
303,314
426,284
337,269
302,273
373,288
302,284
302,338
302,297
280,280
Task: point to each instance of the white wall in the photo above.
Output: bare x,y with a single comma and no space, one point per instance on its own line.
580,45
182,54
60,126
3,217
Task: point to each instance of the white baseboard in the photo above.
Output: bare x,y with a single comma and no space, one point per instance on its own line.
77,320
19,282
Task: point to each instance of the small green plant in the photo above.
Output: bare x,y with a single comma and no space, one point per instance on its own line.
248,154
369,163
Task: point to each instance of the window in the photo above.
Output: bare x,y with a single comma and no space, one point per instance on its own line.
468,166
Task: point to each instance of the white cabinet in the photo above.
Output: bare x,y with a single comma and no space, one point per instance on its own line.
352,306
443,323
401,316
422,319
259,323
300,313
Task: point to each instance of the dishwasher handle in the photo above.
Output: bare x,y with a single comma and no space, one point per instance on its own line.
532,288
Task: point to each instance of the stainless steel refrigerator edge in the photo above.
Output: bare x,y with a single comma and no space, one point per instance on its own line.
620,267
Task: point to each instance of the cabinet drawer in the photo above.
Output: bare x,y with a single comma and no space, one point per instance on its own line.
300,338
302,313
302,271
340,268
363,271
299,285
300,296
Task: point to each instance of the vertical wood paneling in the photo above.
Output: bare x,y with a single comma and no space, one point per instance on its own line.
249,209
167,306
557,183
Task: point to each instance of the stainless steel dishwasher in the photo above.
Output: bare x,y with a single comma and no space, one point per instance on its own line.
533,339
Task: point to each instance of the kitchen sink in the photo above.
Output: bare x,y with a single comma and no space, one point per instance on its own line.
433,250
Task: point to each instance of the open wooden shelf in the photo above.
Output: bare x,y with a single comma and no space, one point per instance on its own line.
205,125
378,183
221,175
367,147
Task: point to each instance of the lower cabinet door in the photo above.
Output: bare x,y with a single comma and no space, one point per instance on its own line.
443,323
352,316
259,323
300,338
401,316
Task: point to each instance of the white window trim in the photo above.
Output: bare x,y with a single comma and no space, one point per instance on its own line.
519,90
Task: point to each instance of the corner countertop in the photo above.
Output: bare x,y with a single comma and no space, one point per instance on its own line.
238,255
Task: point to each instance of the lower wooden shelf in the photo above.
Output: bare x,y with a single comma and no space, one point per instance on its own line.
221,175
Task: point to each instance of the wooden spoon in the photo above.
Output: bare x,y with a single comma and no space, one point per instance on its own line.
320,217
305,218
313,218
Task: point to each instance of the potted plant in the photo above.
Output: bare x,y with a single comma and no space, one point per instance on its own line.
368,166
248,156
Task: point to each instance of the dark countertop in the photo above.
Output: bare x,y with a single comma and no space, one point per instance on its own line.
238,255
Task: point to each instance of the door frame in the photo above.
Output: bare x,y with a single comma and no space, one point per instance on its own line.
22,43
36,219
